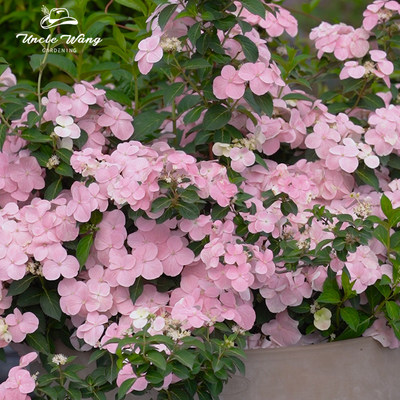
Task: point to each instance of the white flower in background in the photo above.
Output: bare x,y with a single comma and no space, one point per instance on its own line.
66,127
322,319
140,317
4,333
222,149
59,359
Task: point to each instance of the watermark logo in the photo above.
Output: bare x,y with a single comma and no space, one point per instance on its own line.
56,17
53,18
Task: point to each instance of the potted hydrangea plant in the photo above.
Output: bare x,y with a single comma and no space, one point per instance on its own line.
243,194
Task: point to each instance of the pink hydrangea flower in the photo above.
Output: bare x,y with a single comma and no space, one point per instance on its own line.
229,84
241,158
378,12
282,330
92,329
119,121
66,127
127,373
175,255
19,325
7,79
260,76
150,52
343,156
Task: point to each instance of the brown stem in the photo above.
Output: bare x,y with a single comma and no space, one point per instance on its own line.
107,6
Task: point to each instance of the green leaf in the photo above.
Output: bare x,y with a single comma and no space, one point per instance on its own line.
20,286
193,115
136,289
188,210
3,134
185,357
157,359
249,48
265,103
50,304
59,61
216,117
350,316
255,7
166,14
393,310
197,63
188,102
386,206
160,204
296,96
83,249
367,176
96,355
146,123
125,386
382,235
172,91
194,32
371,102
330,293
119,37
64,154
289,207
58,85
219,213
38,342
137,5
189,195
53,190
64,170
395,241
33,135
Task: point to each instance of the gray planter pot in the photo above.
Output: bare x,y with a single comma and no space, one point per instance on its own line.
357,369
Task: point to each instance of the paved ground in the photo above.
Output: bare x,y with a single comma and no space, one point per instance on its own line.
12,361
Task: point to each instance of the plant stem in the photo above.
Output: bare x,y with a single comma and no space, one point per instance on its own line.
41,69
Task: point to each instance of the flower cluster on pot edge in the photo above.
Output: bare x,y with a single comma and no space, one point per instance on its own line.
232,201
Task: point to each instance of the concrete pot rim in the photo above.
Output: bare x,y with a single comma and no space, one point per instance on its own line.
356,342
